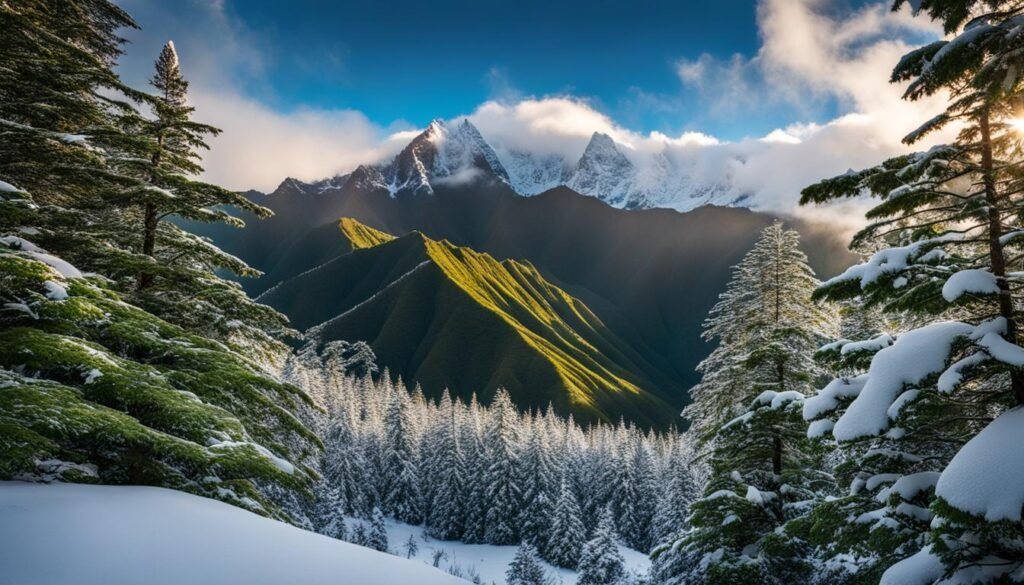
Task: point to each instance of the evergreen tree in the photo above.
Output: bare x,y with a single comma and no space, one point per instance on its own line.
330,513
177,277
640,501
526,568
680,487
567,535
447,510
377,537
601,563
948,218
343,465
411,547
763,467
359,535
537,476
535,521
356,358
174,408
58,122
477,465
401,487
501,478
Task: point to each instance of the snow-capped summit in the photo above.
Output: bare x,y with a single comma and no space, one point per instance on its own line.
442,152
531,173
604,172
457,153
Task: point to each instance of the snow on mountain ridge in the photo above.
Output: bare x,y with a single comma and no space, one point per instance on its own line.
456,152
604,172
441,152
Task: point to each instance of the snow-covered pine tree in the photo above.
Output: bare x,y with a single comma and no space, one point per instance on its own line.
377,536
567,535
477,464
330,513
428,468
877,518
401,485
359,535
526,568
537,476
356,358
343,465
58,122
447,510
951,216
177,279
763,471
501,478
411,547
601,562
535,521
174,408
598,475
640,501
680,485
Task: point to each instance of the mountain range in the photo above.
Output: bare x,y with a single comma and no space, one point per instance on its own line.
449,153
457,280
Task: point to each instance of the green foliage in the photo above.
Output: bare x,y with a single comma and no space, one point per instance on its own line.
96,389
949,213
747,409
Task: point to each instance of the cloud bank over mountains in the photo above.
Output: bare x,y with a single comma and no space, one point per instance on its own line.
811,53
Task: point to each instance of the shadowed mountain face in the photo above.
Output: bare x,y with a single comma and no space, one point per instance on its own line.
449,317
650,276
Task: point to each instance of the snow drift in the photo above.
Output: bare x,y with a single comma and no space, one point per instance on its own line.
109,535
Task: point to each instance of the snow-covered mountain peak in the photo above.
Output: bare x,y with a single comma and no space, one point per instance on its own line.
604,172
436,128
600,143
601,150
456,152
443,151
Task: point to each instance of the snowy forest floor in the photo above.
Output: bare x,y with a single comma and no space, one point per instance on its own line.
74,534
63,534
489,562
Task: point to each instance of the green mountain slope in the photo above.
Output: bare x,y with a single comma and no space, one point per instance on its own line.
450,317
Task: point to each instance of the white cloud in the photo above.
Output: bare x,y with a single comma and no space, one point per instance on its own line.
259,146
226,67
809,54
554,125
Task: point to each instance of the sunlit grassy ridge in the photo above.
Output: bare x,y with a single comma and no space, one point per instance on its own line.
362,236
544,316
448,316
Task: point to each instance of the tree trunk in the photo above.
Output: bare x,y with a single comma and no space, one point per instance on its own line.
995,248
150,221
148,243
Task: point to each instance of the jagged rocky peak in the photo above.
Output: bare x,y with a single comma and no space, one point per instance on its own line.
601,155
455,152
444,151
604,172
532,173
291,184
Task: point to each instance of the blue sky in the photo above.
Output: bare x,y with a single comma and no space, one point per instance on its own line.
775,93
413,61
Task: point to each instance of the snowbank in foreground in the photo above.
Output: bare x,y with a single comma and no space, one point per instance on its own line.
61,534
